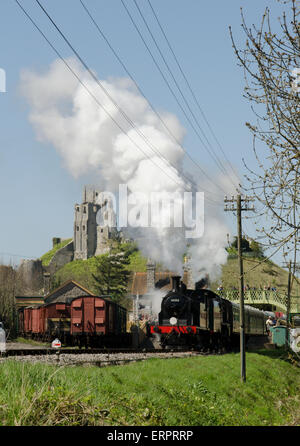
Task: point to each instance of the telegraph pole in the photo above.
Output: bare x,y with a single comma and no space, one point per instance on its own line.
288,299
238,200
288,307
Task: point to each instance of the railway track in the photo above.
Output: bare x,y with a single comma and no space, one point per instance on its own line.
89,351
95,357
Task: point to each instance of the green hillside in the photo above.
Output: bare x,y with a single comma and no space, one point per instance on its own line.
264,274
46,258
82,270
258,274
79,270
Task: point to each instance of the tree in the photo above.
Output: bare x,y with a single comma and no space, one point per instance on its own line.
245,244
256,248
112,274
8,312
271,60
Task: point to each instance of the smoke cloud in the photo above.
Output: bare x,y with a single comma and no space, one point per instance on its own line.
65,115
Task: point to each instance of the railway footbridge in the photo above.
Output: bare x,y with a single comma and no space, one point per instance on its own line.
263,297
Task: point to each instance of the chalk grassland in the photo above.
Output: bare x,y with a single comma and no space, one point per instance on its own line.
264,274
204,391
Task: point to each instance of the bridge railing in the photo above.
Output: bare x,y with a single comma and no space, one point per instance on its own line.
263,297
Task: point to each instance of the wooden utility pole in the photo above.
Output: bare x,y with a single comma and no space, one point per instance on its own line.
238,200
288,307
295,266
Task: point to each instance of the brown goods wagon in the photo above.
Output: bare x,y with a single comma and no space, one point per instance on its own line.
38,320
27,320
21,320
57,317
89,316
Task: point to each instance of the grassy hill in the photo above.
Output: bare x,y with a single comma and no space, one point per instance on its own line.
265,273
47,257
258,273
82,270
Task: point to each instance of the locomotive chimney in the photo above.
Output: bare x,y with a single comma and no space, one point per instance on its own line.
175,283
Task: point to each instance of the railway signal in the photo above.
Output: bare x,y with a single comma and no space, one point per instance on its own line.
238,208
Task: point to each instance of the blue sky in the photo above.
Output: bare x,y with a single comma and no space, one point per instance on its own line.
37,193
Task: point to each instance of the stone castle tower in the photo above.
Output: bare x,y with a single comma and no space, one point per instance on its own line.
94,224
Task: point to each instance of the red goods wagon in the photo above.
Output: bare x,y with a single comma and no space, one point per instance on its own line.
38,320
97,321
57,320
88,316
21,321
27,320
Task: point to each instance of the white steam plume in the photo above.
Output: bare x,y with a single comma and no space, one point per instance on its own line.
65,115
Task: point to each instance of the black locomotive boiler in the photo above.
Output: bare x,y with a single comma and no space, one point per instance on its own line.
202,319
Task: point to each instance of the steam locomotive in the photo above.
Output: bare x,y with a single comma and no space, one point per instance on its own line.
202,319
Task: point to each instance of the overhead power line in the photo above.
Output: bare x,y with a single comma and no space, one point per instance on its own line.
213,155
90,92
105,91
139,89
84,85
210,152
189,87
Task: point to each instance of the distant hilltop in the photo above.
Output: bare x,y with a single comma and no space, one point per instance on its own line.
94,226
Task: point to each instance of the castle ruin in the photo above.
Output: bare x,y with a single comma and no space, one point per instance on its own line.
94,224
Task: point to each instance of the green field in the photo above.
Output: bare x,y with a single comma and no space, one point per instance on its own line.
197,391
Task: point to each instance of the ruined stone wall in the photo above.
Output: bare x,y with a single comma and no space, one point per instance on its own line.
30,274
61,257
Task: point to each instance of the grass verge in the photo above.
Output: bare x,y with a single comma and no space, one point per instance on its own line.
203,391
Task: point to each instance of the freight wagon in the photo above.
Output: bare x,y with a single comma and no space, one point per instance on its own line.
85,321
